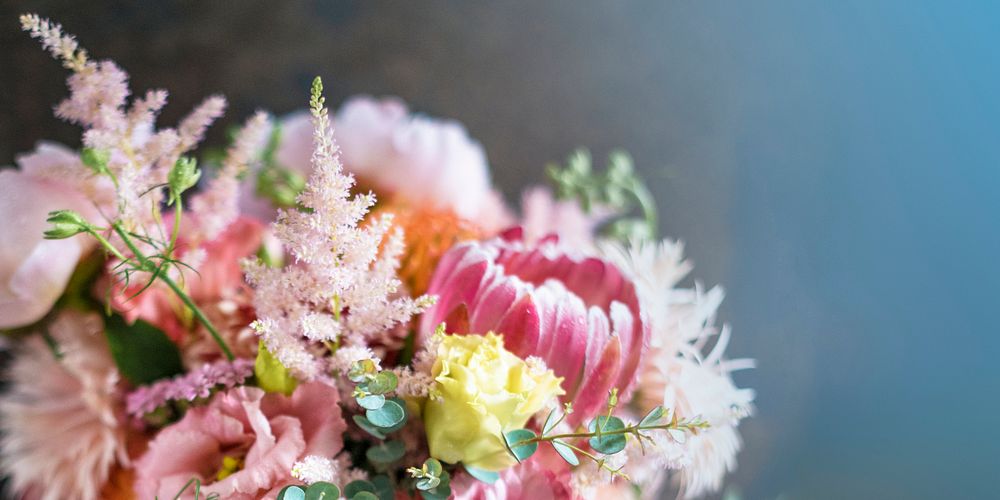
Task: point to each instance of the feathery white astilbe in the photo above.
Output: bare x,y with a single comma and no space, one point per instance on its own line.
341,287
677,372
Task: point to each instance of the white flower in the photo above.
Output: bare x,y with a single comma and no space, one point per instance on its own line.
678,375
314,468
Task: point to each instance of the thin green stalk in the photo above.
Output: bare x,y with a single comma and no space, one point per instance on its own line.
632,429
147,266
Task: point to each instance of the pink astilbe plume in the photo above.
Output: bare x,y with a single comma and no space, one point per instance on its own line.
340,286
139,156
198,383
218,205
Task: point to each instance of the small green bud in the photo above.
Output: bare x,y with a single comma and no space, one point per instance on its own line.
96,160
182,177
65,223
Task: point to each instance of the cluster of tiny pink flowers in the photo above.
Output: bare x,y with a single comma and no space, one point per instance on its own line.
198,383
342,286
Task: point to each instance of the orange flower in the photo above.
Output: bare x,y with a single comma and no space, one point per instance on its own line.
428,233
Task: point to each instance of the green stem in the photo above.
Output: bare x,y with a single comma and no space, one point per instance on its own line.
148,266
177,227
107,245
626,430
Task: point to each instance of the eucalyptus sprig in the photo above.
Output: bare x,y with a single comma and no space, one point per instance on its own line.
618,189
383,415
606,435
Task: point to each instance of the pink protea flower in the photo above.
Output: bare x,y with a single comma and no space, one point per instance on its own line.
218,286
265,433
579,314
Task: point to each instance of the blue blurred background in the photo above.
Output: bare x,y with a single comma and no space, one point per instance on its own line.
833,164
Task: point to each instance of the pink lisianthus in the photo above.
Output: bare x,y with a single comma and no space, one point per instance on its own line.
217,286
580,315
421,159
34,271
530,479
265,433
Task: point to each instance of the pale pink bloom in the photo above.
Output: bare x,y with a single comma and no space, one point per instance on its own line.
268,432
530,479
579,314
59,418
543,215
342,285
218,286
421,159
34,271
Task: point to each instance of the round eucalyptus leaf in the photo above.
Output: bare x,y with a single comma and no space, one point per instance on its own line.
390,414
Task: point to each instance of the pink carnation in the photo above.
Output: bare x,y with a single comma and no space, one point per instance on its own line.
269,433
580,315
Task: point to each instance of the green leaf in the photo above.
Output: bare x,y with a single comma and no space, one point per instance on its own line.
381,383
322,491
486,476
360,370
386,453
383,487
442,491
364,495
433,467
520,451
652,417
272,376
141,351
354,487
550,422
428,483
368,427
372,402
566,453
406,414
292,492
390,414
608,444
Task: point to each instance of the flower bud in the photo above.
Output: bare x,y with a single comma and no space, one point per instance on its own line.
182,177
65,223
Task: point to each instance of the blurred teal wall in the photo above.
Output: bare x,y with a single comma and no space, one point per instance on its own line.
863,225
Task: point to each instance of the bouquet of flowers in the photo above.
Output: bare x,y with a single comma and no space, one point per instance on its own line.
341,306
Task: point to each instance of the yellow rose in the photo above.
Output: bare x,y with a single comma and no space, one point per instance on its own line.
481,390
